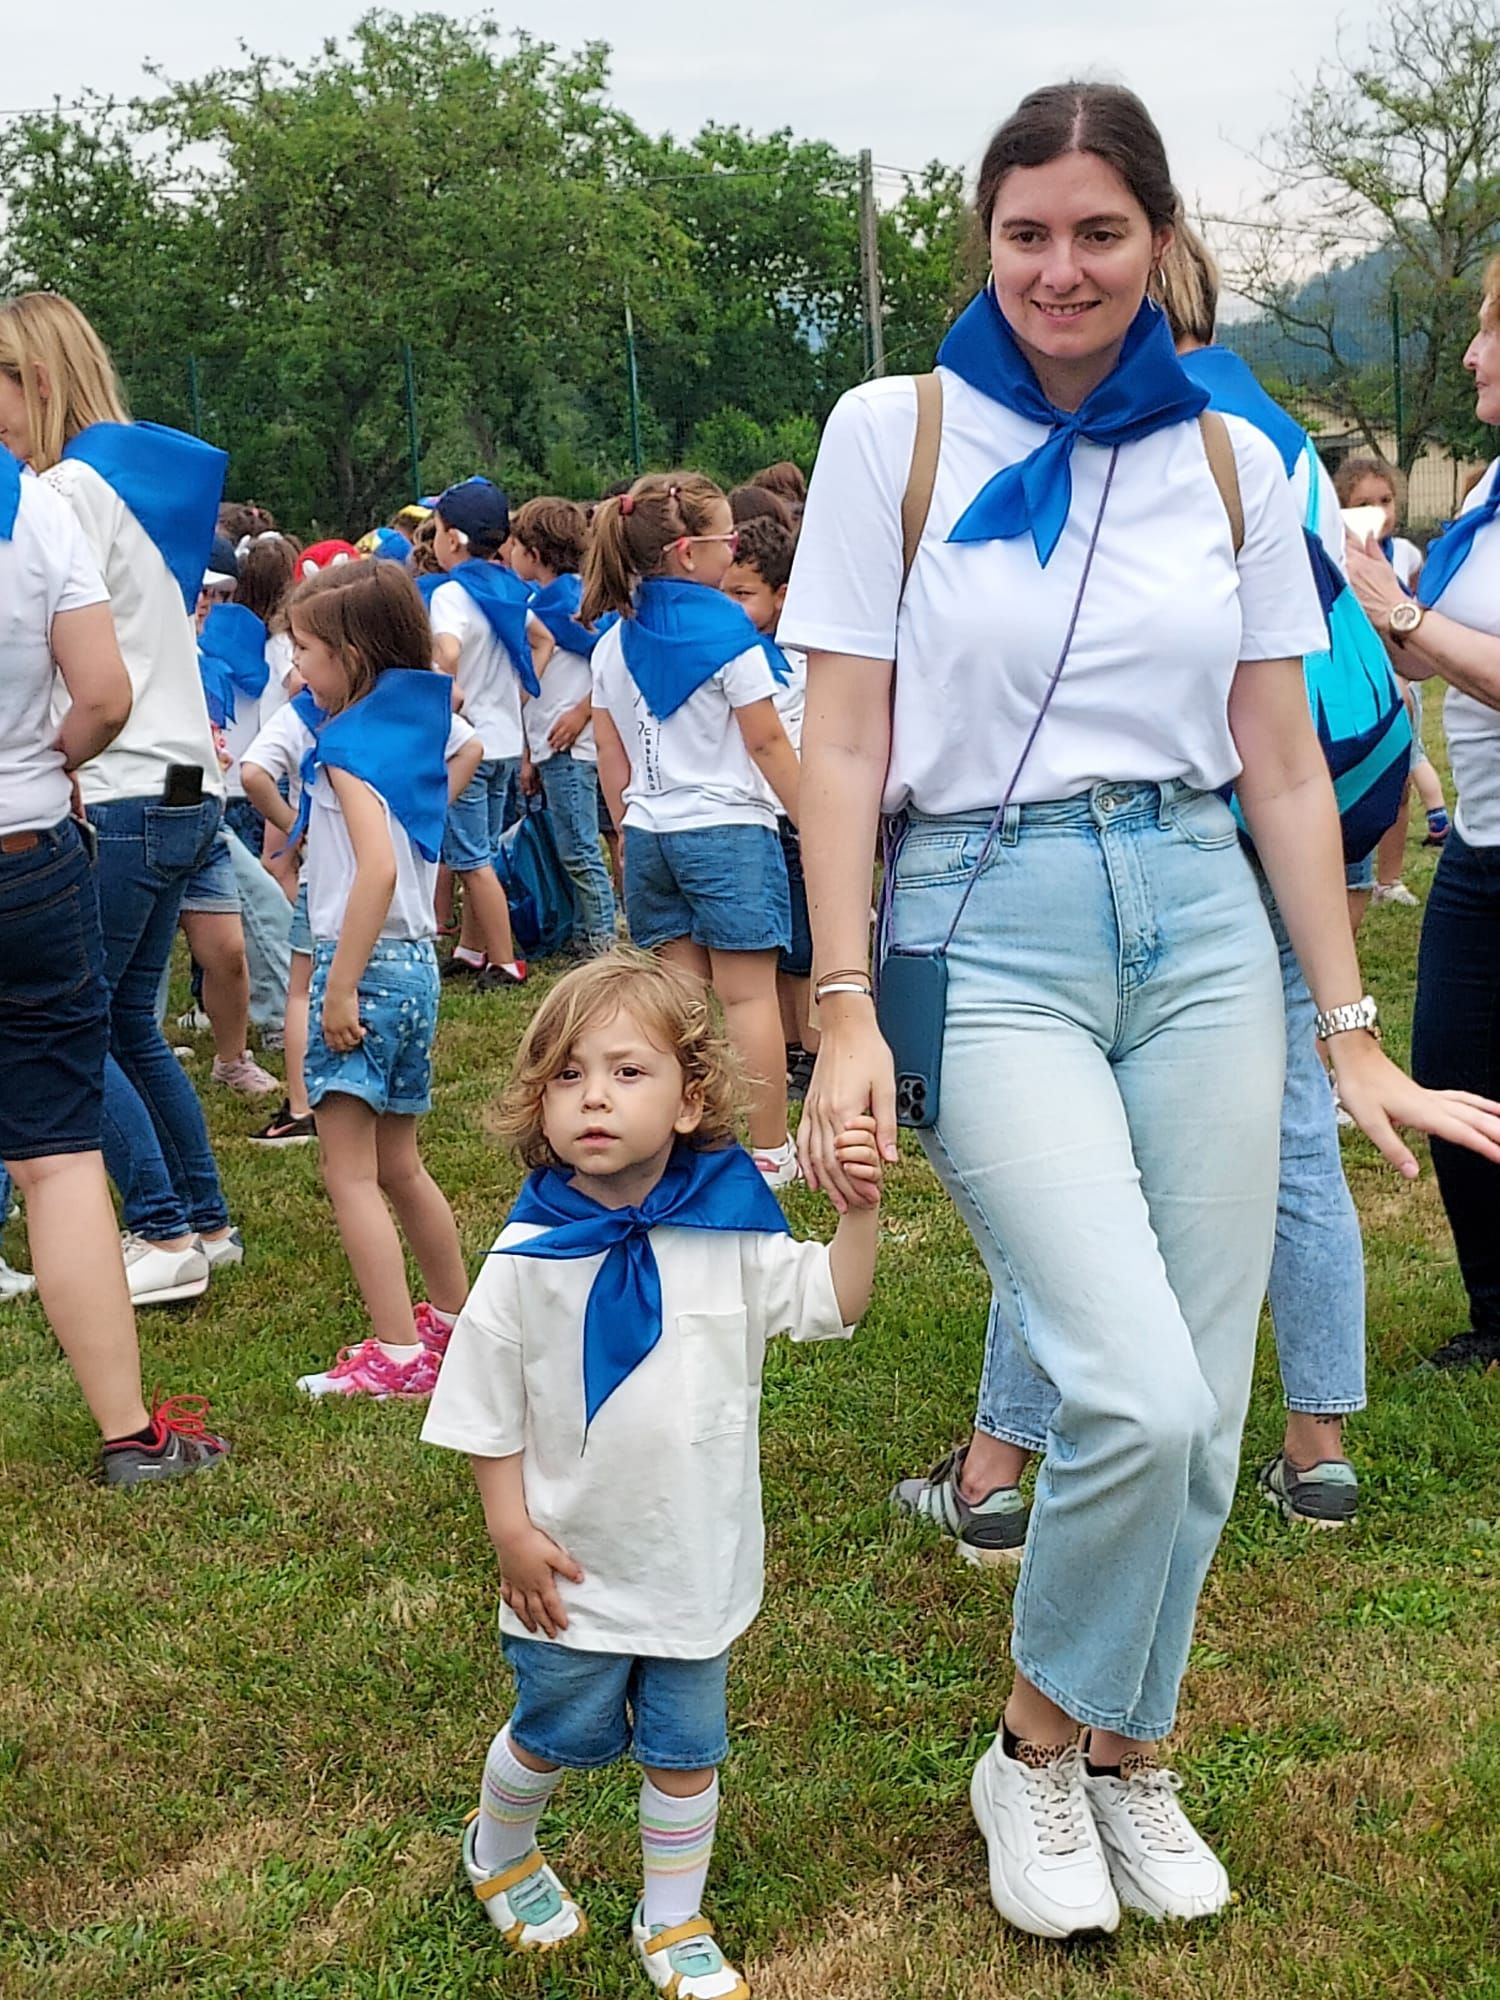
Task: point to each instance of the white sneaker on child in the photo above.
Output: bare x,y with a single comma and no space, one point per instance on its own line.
778,1164
684,1962
526,1903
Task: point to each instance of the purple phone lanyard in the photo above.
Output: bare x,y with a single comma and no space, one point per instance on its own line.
896,826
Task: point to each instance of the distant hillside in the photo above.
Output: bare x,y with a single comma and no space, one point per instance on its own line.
1358,296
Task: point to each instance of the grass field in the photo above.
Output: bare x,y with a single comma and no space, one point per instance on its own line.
241,1720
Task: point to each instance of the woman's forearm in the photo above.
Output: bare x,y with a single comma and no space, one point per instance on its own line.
846,741
1466,659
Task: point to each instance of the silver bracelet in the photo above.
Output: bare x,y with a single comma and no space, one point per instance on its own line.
1345,1020
820,993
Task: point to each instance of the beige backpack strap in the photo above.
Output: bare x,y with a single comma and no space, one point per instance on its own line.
920,480
1219,448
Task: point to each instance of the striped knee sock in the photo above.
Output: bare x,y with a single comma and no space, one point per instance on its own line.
677,1842
511,1802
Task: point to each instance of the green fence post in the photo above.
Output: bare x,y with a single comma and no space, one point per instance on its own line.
195,395
633,382
413,442
1400,410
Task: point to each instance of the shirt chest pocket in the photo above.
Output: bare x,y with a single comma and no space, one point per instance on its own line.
715,1373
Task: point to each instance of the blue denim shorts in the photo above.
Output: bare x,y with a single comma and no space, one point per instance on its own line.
476,818
391,1070
212,890
796,960
1361,874
300,937
724,887
54,1007
582,1710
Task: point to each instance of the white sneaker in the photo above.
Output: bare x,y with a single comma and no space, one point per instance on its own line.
159,1277
245,1077
778,1166
683,1961
222,1250
1048,1872
15,1284
526,1903
1394,892
194,1021
1158,1860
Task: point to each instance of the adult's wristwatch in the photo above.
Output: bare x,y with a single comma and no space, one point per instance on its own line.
1343,1020
1403,619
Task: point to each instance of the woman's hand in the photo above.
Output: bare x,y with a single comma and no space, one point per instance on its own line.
1379,1096
1379,591
342,1028
854,1077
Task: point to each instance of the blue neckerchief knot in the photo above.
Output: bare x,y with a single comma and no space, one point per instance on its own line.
556,604
679,637
396,739
1447,555
622,1320
171,482
505,601
231,659
1144,392
10,493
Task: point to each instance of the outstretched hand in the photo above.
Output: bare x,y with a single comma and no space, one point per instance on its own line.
1379,1097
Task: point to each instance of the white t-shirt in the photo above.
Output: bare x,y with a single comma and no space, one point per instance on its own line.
278,748
169,718
693,769
252,713
791,696
567,679
1473,598
329,869
1165,619
1406,559
486,678
661,1506
45,569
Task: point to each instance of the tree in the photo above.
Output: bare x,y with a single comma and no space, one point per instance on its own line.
1397,150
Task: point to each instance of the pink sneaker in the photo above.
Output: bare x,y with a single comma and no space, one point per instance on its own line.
367,1371
245,1077
433,1330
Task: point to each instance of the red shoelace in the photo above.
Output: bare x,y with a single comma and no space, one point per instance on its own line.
182,1414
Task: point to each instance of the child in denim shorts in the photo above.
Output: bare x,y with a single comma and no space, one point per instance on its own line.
386,759
604,1379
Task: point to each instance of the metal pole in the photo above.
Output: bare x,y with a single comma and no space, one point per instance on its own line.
1396,378
413,442
869,265
195,395
633,383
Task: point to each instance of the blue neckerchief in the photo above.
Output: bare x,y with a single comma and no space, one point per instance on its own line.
396,739
10,493
776,660
171,482
1234,392
305,705
391,545
679,637
1144,392
428,582
622,1321
504,600
1448,552
231,659
556,604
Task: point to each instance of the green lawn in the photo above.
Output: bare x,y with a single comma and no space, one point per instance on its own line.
241,1720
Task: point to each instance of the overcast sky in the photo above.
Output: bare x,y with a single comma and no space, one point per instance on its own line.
912,81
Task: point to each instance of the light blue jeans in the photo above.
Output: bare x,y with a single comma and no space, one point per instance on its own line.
266,916
1317,1267
1108,1129
571,788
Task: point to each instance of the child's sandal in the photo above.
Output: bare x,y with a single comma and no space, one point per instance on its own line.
526,1902
683,1961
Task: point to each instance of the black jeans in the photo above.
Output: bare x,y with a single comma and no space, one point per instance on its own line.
1456,1046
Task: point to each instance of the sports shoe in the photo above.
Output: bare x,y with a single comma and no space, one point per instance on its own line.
799,1069
194,1022
366,1370
1394,892
461,968
1048,1872
244,1076
433,1331
15,1284
497,978
1158,1861
158,1277
990,1531
285,1130
183,1445
221,1251
683,1961
778,1166
526,1902
1326,1495
1480,1351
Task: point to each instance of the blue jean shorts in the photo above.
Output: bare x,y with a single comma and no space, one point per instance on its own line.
476,818
212,890
582,1710
1361,874
300,937
724,887
391,1070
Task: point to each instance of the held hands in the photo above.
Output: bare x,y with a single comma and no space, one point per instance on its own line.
1379,1096
848,1129
529,1563
857,1152
342,1028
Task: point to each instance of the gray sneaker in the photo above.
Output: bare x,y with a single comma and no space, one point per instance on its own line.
183,1445
1324,1496
989,1532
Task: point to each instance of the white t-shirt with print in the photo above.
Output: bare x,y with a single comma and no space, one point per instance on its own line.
567,679
1166,617
330,867
1473,598
253,712
485,676
660,1505
168,721
45,569
693,769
